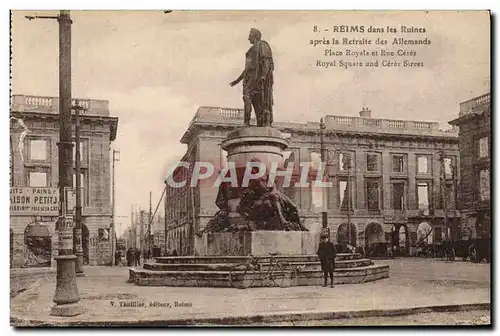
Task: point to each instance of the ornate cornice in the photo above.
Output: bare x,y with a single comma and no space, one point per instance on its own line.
89,119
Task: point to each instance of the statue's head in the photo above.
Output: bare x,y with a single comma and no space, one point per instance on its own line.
254,36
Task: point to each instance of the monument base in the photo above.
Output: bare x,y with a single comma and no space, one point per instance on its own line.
257,243
67,310
228,271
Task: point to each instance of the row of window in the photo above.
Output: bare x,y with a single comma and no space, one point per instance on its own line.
40,178
38,150
37,165
373,163
374,195
424,194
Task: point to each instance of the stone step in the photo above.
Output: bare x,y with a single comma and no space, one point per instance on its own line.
144,277
243,259
313,265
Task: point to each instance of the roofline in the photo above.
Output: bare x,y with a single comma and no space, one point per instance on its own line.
112,120
468,116
193,127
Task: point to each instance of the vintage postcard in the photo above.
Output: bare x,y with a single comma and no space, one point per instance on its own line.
250,168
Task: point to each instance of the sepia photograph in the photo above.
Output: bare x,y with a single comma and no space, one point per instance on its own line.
250,168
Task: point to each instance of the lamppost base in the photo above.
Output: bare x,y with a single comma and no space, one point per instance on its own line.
66,288
66,310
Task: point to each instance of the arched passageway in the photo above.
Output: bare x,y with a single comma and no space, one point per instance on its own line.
400,241
375,244
345,236
38,245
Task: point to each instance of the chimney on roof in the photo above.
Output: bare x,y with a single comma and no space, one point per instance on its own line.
365,113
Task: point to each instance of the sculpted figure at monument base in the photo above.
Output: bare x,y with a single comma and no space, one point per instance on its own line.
260,208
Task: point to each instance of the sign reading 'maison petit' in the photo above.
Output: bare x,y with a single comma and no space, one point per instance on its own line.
40,201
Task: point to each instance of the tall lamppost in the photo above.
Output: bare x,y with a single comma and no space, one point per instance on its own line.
442,179
348,184
150,219
116,157
66,296
78,249
324,191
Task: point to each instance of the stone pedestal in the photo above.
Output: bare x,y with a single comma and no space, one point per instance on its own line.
244,145
257,243
263,143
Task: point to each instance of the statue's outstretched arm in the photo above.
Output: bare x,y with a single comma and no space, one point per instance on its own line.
239,79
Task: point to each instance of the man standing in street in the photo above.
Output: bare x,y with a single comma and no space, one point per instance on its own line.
118,258
130,257
137,257
327,253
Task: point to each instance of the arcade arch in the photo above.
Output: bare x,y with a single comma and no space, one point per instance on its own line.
375,244
400,240
344,237
425,234
38,245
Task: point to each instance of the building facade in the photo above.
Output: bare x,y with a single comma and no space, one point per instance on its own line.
474,123
158,232
34,201
401,175
182,217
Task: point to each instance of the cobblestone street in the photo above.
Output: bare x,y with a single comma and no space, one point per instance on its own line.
20,278
413,283
475,317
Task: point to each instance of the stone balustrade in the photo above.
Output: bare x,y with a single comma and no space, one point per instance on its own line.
207,114
474,104
42,104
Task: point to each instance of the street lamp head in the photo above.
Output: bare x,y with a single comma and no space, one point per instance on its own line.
322,124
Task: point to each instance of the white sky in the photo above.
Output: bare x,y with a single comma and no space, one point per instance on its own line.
157,69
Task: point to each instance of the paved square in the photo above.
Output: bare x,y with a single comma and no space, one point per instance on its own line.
107,297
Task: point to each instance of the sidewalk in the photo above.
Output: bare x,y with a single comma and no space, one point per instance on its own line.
109,300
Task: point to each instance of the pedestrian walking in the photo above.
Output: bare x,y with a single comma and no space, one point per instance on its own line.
117,258
174,253
327,253
130,257
137,257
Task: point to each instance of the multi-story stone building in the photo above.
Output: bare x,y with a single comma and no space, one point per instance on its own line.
474,123
34,207
182,210
400,173
158,232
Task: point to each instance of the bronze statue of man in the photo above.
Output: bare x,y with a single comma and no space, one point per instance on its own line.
258,81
